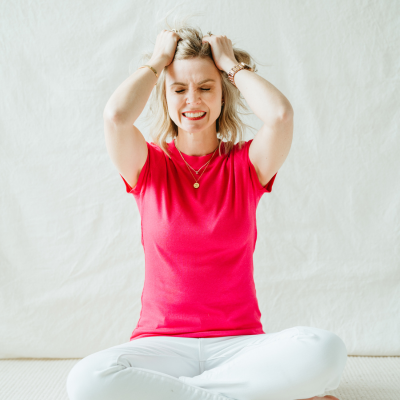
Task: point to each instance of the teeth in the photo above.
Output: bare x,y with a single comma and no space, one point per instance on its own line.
193,115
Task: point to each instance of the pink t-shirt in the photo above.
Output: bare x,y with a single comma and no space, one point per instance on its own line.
198,244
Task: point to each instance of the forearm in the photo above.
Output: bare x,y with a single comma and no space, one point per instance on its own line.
264,99
129,99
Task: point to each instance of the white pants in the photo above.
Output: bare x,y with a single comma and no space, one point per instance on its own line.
296,363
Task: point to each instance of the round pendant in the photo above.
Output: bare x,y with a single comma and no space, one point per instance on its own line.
196,185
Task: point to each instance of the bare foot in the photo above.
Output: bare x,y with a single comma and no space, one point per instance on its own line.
327,397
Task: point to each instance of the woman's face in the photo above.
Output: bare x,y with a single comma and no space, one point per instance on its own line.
186,91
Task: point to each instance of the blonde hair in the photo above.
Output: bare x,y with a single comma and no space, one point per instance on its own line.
229,126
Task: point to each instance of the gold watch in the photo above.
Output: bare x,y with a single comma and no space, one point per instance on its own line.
237,68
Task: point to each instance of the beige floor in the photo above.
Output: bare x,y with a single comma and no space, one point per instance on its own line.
365,378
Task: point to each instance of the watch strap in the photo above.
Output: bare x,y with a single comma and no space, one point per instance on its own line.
237,68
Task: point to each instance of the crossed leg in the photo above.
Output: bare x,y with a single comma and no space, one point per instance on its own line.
293,364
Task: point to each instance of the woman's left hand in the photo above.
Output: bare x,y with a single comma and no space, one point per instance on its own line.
222,51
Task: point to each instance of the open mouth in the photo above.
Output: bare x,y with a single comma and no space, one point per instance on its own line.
194,116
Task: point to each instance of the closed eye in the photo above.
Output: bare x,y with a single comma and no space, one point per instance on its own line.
180,91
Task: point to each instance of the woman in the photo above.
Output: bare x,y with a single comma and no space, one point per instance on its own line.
199,335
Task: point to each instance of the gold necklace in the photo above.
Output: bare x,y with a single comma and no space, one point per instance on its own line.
196,185
197,172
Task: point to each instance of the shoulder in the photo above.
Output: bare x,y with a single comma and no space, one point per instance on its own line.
237,148
241,148
157,151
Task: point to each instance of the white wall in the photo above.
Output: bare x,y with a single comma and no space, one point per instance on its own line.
328,250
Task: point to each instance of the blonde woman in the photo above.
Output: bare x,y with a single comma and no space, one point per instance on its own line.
199,336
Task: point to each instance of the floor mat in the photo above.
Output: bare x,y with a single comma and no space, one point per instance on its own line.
364,378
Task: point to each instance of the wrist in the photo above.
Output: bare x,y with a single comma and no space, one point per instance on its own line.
229,65
158,64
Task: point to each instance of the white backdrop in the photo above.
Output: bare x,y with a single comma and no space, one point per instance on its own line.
328,249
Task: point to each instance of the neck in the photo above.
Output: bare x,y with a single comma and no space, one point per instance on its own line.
198,147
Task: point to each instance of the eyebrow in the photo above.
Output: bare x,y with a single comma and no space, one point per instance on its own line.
199,83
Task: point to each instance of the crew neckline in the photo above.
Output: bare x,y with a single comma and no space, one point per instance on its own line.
188,157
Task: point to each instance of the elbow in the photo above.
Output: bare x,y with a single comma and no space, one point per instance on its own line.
286,113
109,114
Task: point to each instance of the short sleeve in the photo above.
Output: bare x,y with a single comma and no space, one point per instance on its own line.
143,176
253,173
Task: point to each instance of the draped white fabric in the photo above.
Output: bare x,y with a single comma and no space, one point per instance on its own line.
328,248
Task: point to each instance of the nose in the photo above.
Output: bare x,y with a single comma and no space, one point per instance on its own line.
193,97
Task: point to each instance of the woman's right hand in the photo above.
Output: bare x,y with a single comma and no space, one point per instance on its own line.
165,46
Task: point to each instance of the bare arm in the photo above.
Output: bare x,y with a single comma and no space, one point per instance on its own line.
270,147
129,99
125,144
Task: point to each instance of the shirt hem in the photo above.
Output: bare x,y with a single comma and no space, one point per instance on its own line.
208,334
